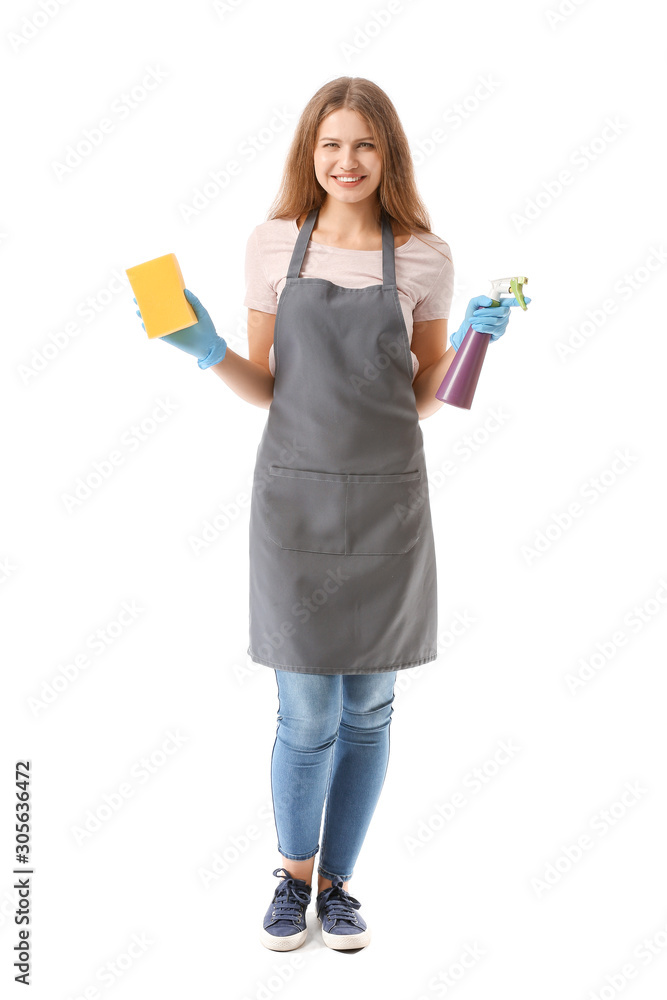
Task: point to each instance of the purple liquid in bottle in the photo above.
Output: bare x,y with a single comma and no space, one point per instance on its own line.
459,384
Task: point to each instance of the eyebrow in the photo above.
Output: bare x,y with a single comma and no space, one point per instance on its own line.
338,140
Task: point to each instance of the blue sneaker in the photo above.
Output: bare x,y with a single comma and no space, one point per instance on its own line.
342,926
284,925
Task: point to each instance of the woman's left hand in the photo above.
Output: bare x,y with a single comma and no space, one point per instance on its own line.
199,339
485,318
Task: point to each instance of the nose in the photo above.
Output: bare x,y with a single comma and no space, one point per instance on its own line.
347,159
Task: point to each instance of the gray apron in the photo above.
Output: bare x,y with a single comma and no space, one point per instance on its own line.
342,560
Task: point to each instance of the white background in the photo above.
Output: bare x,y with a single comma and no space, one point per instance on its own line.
73,389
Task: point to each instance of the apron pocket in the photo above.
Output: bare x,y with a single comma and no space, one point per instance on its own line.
306,510
385,514
344,513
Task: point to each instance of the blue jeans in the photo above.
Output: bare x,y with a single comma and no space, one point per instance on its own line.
332,742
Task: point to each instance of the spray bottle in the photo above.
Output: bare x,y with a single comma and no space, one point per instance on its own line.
459,384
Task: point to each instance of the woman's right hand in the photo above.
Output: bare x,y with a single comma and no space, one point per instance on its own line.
200,340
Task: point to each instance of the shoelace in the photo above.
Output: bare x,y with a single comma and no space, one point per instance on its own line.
289,900
340,905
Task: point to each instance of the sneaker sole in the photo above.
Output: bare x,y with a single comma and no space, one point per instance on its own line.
287,943
343,942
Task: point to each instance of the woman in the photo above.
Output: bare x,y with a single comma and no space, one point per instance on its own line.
348,294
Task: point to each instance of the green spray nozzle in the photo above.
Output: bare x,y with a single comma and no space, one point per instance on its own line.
510,286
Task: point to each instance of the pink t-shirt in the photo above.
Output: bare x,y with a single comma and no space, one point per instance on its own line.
424,277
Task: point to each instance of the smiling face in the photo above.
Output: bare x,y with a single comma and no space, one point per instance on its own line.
345,146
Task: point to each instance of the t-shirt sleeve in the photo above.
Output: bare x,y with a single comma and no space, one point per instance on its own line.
260,293
438,300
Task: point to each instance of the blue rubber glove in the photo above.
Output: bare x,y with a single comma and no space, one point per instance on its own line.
485,318
200,340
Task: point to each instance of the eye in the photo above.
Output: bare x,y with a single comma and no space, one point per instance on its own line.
335,144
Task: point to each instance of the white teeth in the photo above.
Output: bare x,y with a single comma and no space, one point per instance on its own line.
349,180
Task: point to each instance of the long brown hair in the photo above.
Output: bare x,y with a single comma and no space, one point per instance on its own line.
397,194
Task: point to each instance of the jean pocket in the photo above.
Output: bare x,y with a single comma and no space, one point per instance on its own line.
344,513
384,514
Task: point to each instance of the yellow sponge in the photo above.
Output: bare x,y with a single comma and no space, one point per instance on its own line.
158,288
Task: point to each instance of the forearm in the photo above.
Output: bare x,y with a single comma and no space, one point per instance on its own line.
250,381
428,382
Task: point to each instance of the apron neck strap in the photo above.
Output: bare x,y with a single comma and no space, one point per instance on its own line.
299,252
